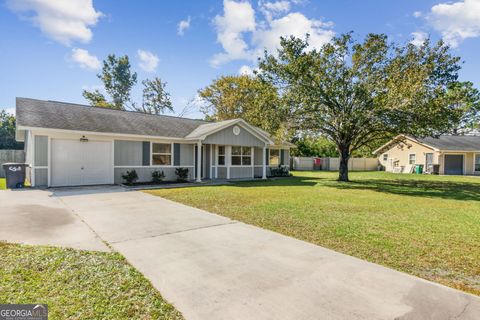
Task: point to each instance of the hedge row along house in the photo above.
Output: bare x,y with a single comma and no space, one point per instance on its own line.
70,145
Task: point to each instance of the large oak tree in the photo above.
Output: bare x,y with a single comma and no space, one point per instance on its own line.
358,93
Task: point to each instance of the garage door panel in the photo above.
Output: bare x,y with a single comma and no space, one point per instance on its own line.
81,163
454,164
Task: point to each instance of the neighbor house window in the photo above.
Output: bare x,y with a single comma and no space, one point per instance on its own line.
241,156
274,159
477,162
411,158
221,155
385,157
161,154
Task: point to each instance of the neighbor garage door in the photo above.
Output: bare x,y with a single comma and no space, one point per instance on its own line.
76,163
454,164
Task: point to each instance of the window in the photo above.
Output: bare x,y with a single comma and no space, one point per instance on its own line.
477,162
161,154
385,157
241,156
411,158
274,159
221,155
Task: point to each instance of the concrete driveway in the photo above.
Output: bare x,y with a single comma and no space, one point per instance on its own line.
211,267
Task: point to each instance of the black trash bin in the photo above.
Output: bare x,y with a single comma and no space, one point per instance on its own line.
15,174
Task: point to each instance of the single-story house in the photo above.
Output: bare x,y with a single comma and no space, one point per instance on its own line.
451,154
69,144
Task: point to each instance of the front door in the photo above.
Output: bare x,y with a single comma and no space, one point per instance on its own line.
429,162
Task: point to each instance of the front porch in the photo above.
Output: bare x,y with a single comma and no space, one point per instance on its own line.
226,162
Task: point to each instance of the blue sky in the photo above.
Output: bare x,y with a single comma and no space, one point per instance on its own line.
51,49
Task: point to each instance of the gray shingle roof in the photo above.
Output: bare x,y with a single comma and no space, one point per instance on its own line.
454,143
67,116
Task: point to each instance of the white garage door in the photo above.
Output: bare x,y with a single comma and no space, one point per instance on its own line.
76,163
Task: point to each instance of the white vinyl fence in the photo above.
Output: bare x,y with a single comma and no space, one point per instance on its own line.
302,163
10,156
354,164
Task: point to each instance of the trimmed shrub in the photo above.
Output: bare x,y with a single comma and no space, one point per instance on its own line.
130,176
157,176
182,174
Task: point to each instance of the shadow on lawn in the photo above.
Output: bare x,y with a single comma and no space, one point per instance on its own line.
417,188
409,187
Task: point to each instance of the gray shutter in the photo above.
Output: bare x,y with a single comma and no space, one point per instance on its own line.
176,154
282,157
145,153
266,156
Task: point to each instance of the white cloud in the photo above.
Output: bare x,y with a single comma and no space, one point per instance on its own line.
238,22
245,70
295,24
10,110
148,60
419,38
456,21
183,25
272,9
237,18
417,14
85,59
62,21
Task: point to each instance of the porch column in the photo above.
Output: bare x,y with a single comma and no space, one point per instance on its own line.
264,164
199,161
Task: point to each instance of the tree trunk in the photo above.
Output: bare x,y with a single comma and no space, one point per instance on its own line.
343,168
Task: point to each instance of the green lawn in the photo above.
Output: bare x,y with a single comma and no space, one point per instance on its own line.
78,284
2,184
428,226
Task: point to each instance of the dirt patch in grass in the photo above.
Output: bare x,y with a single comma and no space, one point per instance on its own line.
78,284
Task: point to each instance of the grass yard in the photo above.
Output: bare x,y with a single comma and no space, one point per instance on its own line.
3,184
428,226
78,284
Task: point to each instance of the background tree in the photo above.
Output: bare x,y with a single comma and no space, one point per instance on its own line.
156,99
118,81
359,93
311,146
7,132
249,98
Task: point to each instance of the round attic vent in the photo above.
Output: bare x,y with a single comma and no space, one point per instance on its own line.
236,130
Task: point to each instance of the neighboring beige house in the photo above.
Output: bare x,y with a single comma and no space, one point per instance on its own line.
454,155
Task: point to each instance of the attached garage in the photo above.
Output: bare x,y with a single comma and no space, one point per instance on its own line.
76,163
454,164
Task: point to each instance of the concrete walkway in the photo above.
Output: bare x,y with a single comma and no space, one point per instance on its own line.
211,267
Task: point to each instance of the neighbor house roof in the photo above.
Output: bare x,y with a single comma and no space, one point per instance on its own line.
453,143
441,143
68,116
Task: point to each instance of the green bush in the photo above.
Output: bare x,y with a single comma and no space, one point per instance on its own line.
158,176
280,171
182,174
130,176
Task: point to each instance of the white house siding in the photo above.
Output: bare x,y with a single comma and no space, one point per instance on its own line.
40,160
222,173
227,137
240,172
128,153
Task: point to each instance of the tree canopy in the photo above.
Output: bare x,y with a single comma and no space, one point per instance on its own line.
249,98
7,132
359,93
118,81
